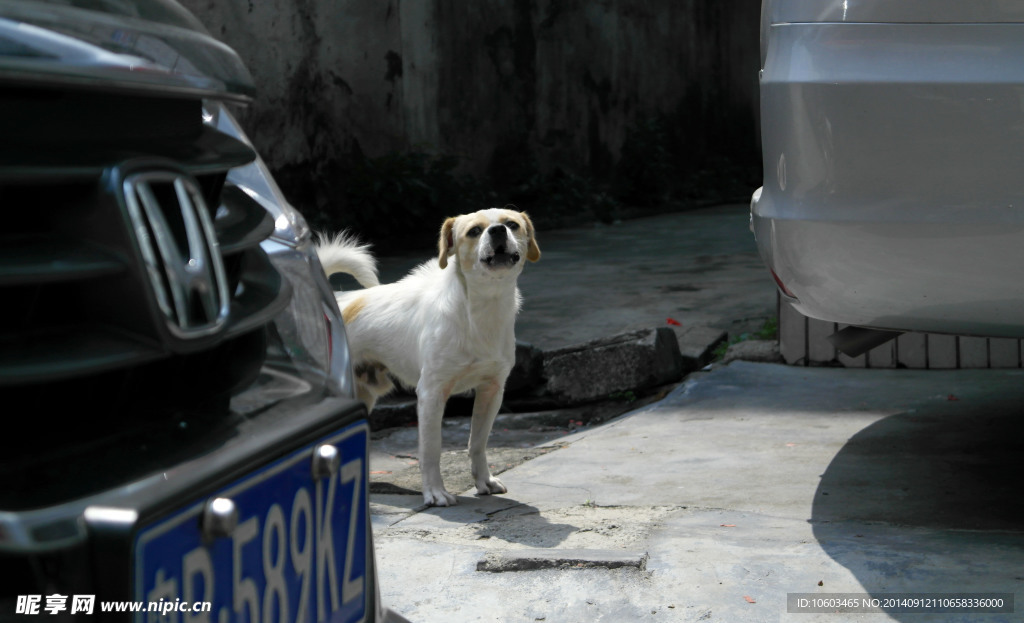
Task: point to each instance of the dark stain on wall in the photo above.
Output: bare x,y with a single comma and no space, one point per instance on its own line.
394,61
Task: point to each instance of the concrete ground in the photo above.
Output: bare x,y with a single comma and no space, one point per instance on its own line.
745,485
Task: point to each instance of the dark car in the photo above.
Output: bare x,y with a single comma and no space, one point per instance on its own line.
181,439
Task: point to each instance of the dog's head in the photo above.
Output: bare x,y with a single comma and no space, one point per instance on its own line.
495,241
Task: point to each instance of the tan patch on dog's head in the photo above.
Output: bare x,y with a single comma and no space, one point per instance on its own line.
353,309
446,243
532,249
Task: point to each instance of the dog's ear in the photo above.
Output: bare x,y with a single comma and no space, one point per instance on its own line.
532,250
446,243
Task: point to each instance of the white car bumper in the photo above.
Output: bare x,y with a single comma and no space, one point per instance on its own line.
894,172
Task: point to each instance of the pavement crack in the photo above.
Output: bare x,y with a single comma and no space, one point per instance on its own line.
506,509
589,493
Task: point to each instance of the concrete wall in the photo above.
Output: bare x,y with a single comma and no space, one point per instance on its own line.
493,81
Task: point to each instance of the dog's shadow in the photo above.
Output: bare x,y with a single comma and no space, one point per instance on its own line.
489,517
525,525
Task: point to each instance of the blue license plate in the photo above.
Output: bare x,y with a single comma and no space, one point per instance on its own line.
297,554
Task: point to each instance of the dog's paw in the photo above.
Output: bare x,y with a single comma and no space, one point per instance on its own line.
437,496
489,486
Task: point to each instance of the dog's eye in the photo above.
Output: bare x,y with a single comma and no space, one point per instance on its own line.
475,232
512,225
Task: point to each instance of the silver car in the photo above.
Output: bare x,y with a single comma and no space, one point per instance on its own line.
893,146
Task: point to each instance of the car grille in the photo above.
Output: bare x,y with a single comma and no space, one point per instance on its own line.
123,250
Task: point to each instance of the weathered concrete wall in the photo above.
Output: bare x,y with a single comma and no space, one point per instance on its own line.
493,81
322,70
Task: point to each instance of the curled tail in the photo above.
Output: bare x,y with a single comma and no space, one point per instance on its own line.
344,254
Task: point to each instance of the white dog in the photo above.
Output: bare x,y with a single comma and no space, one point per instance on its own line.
445,328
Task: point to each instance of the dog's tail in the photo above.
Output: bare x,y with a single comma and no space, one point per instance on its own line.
342,253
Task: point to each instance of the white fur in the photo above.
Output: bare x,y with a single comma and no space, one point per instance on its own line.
344,254
445,328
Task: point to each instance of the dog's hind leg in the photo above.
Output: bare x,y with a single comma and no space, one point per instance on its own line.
372,383
485,409
366,396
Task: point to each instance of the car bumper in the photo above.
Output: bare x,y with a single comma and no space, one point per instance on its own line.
925,234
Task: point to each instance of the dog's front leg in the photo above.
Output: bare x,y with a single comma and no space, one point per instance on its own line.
430,411
485,408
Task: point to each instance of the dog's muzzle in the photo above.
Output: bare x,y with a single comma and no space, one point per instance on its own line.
500,259
501,256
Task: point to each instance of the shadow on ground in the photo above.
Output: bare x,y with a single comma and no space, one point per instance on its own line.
929,498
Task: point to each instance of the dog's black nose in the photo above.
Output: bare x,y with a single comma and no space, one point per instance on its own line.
498,233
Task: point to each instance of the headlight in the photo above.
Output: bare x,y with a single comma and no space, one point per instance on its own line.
311,330
254,179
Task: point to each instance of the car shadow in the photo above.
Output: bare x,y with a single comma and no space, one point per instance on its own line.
929,501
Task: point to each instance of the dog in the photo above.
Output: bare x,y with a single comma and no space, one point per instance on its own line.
445,328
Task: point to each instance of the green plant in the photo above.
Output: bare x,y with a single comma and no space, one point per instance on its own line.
625,396
768,331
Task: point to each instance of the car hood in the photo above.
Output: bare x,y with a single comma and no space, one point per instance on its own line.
134,45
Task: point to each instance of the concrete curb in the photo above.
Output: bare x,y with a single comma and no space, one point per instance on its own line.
628,362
